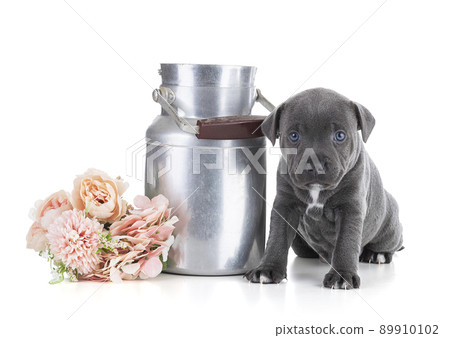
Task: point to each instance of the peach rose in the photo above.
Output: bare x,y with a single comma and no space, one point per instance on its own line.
99,195
45,214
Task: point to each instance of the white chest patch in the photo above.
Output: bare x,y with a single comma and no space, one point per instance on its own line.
314,194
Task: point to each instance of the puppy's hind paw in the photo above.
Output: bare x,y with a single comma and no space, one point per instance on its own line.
266,275
369,256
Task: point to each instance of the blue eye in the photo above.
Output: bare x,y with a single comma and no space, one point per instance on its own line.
294,136
339,136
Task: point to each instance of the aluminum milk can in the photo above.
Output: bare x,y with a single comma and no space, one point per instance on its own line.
206,154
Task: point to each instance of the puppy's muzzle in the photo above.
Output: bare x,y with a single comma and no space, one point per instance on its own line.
321,172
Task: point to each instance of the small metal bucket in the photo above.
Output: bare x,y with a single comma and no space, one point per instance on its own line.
206,154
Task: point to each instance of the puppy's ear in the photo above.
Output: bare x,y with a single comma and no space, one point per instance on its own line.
366,121
270,126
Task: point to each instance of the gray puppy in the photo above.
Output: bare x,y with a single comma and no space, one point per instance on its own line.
330,200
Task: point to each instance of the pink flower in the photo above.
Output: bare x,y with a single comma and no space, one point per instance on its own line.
36,237
55,201
159,202
147,235
45,213
74,240
151,268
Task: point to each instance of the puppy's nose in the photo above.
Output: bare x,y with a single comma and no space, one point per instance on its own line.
325,162
317,169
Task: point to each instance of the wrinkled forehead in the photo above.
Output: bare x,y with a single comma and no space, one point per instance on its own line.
318,114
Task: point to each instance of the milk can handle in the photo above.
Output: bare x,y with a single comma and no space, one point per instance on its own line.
231,127
165,96
264,102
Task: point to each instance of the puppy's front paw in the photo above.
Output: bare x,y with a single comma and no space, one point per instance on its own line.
266,274
341,280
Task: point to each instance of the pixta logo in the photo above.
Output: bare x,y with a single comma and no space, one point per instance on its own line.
149,159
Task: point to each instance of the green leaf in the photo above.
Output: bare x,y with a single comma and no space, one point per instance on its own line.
57,280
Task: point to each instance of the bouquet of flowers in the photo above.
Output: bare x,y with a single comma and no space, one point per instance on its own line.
93,234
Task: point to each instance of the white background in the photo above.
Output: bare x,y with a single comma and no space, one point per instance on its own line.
69,102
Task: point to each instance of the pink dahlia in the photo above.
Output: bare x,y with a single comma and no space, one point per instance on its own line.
74,240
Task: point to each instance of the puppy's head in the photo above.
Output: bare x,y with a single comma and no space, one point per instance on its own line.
321,127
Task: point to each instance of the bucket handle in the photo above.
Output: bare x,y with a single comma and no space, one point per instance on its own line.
165,96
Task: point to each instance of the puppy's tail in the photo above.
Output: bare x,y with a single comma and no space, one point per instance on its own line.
401,248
